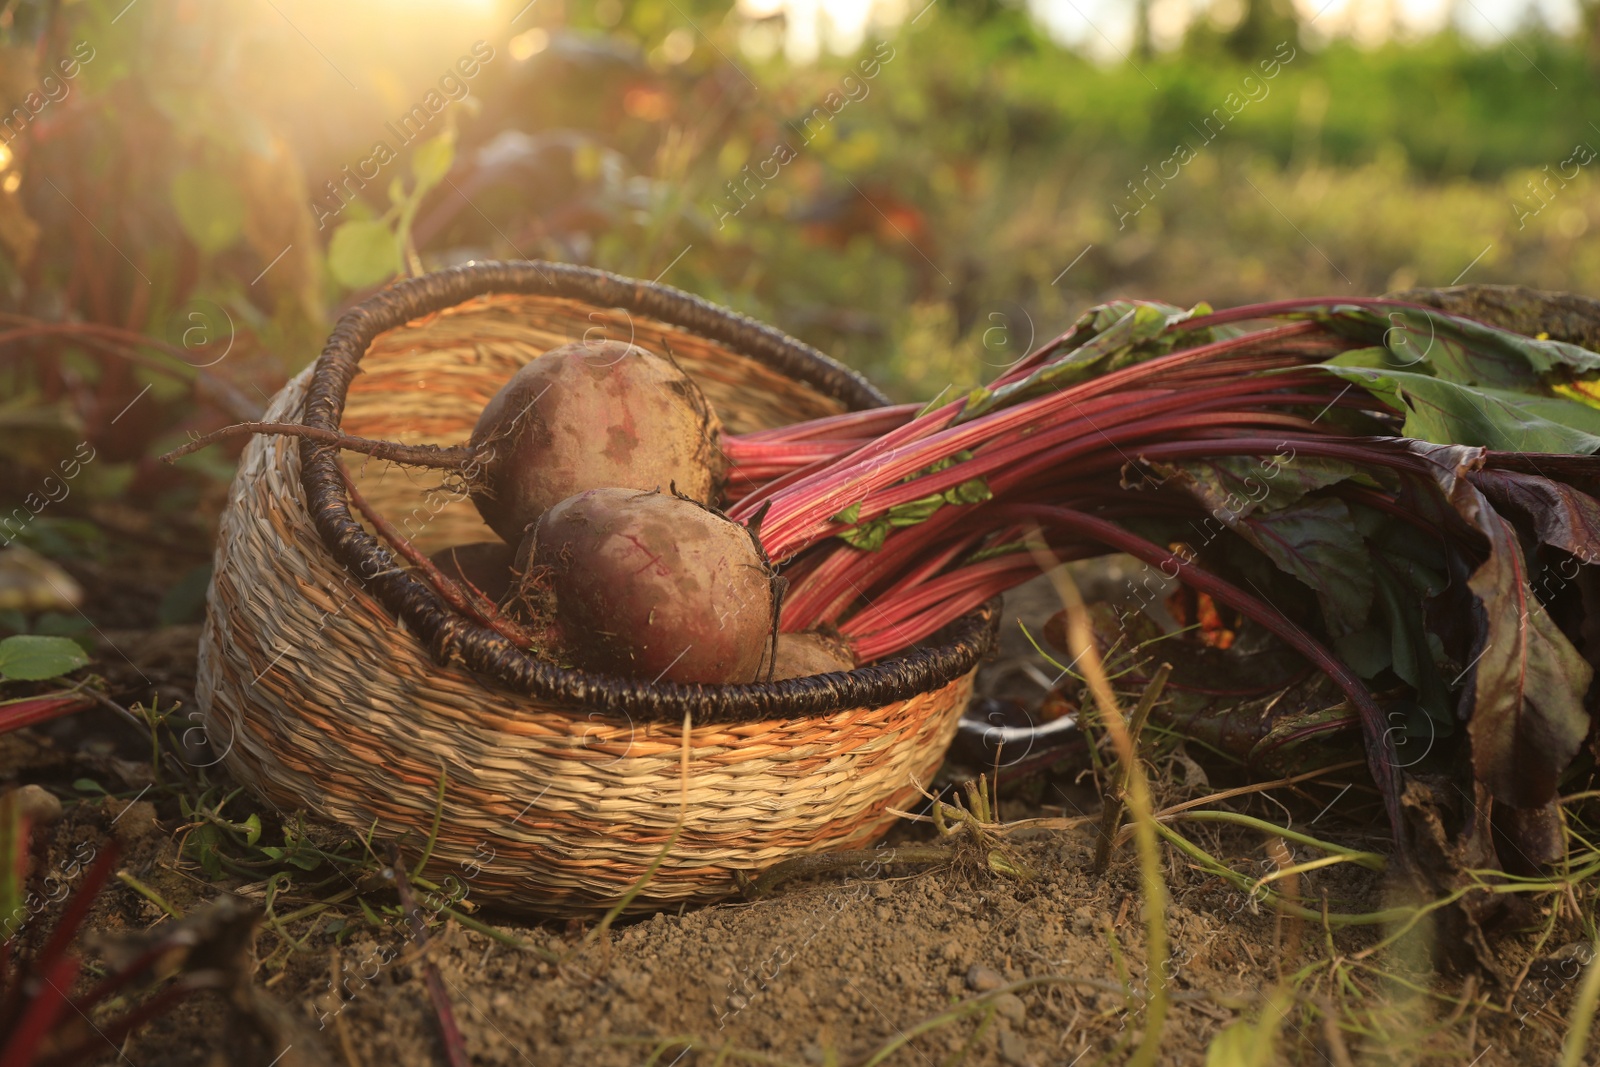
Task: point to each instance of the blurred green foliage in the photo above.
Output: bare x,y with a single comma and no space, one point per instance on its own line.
1451,108
925,208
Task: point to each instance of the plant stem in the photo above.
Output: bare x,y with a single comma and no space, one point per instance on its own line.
1111,817
455,1047
1081,640
127,879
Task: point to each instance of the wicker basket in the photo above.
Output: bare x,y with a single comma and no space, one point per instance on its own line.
350,696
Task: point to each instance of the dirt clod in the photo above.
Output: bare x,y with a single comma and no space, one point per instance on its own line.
1014,1048
1010,1006
38,804
981,979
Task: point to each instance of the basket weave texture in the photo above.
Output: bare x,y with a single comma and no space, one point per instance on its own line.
322,700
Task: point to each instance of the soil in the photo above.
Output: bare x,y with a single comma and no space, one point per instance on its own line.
1042,962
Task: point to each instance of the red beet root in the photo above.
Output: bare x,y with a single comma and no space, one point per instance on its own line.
654,586
801,655
585,416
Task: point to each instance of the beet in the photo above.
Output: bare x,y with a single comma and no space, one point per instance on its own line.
801,655
485,564
653,586
587,416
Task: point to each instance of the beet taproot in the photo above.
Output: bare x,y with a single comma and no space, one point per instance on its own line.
800,655
589,416
653,586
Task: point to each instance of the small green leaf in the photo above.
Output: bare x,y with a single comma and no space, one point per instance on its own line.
971,491
272,852
914,511
850,515
1413,651
868,537
431,161
209,209
366,909
204,844
939,401
1008,548
977,398
31,658
252,829
362,253
940,465
1147,318
1126,337
89,785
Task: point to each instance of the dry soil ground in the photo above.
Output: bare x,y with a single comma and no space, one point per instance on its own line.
924,966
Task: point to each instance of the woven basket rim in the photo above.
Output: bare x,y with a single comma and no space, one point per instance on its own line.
947,656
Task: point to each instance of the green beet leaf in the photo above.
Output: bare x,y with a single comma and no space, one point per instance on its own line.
1239,485
971,491
1120,344
1316,542
868,537
1445,412
32,658
432,160
363,252
1472,353
913,512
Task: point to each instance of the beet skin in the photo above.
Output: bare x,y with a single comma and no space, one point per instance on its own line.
654,587
587,416
801,655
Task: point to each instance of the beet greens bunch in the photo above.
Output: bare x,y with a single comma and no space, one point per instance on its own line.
1403,496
